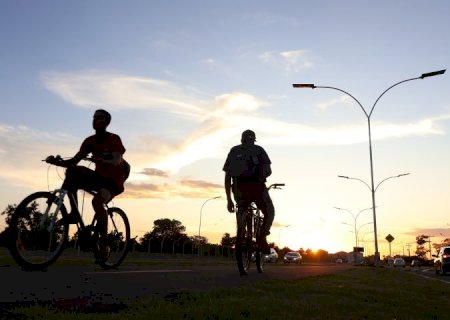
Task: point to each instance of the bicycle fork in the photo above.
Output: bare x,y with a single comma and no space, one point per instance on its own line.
59,200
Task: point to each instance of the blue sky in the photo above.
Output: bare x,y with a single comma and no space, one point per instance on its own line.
184,79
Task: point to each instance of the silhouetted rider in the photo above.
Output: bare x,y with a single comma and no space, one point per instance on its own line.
246,168
111,171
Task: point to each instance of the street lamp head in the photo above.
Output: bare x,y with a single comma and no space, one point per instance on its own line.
345,177
304,85
217,197
431,74
402,175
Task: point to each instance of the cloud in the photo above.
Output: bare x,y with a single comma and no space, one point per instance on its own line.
334,102
88,88
154,172
293,61
216,120
22,149
201,184
435,233
185,188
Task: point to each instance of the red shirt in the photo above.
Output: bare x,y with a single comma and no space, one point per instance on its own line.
103,147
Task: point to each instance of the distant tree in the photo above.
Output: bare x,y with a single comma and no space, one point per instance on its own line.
444,243
227,240
167,229
421,250
8,212
169,232
199,240
321,254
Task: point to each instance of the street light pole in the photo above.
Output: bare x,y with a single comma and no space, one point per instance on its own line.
355,218
201,209
368,115
373,190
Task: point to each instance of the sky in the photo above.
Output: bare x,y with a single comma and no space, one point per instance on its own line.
183,79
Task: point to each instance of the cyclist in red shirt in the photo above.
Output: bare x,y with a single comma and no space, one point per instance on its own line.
108,179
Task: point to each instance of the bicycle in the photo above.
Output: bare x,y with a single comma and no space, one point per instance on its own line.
249,220
39,231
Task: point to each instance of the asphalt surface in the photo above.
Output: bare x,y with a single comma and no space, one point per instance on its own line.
90,285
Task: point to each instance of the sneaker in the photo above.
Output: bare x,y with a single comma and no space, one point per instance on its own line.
263,245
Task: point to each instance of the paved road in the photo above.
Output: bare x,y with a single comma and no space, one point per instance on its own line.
429,273
131,282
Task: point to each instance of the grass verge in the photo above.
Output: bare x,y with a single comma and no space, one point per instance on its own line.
360,293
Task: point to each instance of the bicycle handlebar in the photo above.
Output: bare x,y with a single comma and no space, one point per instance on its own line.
276,186
59,161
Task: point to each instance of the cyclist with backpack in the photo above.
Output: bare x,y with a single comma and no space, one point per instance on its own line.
108,179
246,168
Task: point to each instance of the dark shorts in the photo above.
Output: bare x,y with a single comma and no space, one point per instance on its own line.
79,177
247,192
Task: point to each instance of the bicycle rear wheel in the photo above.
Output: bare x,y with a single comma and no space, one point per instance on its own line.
243,242
118,238
38,233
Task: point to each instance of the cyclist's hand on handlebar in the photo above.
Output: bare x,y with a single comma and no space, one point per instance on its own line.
54,160
230,206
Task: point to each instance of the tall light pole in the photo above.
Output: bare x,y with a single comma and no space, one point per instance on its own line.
368,115
355,218
201,209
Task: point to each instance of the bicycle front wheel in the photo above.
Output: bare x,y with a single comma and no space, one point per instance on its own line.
118,238
259,256
38,233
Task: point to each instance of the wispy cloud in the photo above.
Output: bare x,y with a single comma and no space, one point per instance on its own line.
201,184
87,88
218,120
435,233
293,60
154,172
185,188
334,102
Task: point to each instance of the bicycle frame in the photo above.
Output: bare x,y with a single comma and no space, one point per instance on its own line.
40,230
249,222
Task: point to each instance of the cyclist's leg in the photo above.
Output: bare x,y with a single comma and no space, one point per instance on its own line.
265,204
106,191
102,197
77,177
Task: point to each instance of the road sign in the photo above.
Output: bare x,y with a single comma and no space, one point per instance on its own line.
389,238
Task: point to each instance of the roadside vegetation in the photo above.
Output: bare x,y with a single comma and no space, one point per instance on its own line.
359,293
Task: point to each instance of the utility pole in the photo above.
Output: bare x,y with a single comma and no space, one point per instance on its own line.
409,251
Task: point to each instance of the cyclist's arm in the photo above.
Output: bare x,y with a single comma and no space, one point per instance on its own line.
230,204
228,185
73,161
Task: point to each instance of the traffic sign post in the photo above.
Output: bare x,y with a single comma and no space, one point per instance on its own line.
389,239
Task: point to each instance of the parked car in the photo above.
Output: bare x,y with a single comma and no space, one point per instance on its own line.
339,260
292,257
416,263
399,263
442,260
271,257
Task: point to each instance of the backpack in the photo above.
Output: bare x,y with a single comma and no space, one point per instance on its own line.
127,169
242,164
